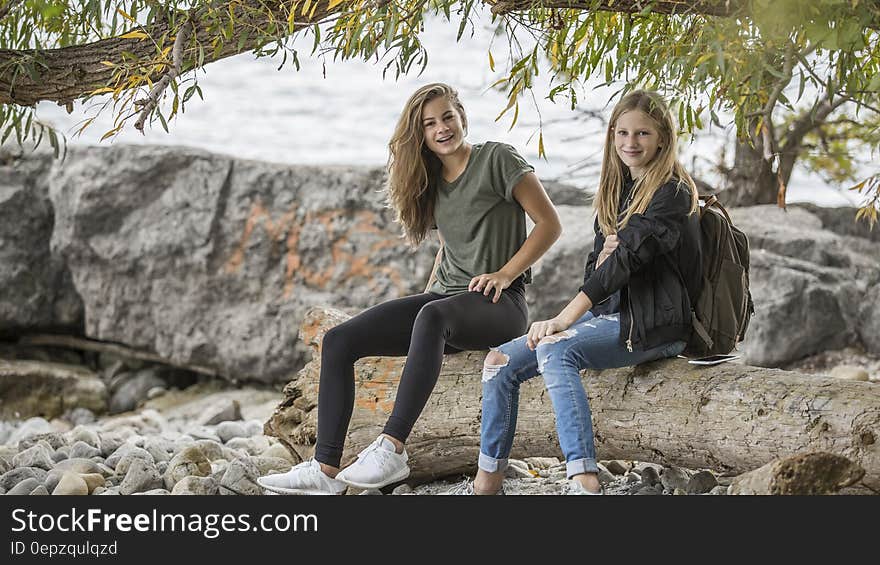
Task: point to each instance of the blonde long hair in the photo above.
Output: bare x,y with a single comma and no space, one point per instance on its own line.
413,169
660,170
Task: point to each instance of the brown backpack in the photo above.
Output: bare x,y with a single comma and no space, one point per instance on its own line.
721,314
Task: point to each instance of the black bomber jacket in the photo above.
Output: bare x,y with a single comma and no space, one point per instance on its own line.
656,267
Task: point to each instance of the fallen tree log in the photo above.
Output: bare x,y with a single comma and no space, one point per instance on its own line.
731,418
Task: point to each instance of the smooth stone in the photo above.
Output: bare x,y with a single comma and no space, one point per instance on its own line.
24,487
230,430
79,416
229,411
189,461
85,435
251,445
125,450
402,489
14,476
84,450
673,478
618,467
71,484
650,476
110,442
141,476
213,450
604,476
205,486
278,450
160,449
266,465
39,456
241,478
153,492
701,482
29,428
93,481
645,491
82,466
137,453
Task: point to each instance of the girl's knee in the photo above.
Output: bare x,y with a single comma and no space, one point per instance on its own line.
494,363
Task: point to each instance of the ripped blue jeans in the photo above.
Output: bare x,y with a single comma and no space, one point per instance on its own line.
591,342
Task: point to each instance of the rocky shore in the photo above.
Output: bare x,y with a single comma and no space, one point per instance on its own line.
207,441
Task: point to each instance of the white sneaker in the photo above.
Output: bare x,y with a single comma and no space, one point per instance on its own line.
305,478
575,488
376,466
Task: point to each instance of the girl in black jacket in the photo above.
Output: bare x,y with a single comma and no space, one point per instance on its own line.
635,303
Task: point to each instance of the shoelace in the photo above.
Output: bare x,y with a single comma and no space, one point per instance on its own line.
382,454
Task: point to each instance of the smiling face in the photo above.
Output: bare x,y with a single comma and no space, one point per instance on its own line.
443,126
636,141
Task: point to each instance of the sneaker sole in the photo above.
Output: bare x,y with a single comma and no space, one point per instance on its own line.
394,479
282,490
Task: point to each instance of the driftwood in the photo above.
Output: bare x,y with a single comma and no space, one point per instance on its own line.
82,344
807,473
732,418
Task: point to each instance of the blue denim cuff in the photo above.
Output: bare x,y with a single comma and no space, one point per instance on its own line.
490,464
579,466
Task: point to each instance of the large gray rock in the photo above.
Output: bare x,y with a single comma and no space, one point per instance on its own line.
38,292
30,388
560,272
213,261
807,284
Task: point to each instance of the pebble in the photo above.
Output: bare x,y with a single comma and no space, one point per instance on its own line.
71,484
189,461
701,482
24,487
84,450
141,476
14,476
618,467
673,478
39,455
196,485
240,478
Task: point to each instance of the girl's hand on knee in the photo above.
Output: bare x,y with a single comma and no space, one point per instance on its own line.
490,282
540,330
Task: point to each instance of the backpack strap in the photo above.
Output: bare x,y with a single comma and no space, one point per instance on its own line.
712,200
701,330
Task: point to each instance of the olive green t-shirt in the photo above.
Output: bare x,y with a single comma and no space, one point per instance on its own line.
482,225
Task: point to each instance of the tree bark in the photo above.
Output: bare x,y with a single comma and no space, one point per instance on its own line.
731,418
68,73
750,181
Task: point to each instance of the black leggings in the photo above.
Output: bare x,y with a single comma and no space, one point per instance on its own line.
423,327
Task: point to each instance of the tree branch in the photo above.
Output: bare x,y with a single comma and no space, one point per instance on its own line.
152,99
723,8
65,74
